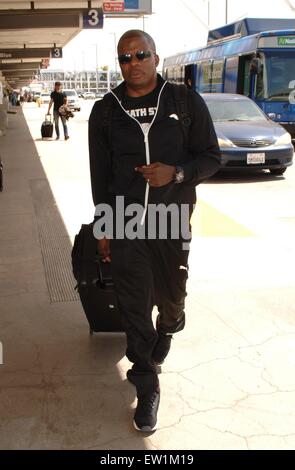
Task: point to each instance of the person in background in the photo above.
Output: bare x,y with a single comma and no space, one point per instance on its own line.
14,98
58,99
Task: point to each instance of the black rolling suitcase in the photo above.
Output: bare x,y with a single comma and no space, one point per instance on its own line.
47,127
94,284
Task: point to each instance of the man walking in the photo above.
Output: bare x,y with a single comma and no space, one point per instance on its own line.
143,148
58,99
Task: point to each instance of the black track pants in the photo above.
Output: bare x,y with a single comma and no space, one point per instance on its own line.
147,273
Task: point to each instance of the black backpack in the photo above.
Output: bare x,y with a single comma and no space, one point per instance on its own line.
88,269
180,95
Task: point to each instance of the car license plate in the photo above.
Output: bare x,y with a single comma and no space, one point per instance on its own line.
255,158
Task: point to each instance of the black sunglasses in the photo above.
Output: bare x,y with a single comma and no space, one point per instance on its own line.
140,55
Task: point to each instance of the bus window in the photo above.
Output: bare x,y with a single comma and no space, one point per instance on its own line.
170,74
205,77
174,74
182,74
217,76
259,85
231,75
178,74
244,82
247,79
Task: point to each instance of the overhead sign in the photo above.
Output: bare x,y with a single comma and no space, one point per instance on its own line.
131,7
93,19
56,53
25,53
113,6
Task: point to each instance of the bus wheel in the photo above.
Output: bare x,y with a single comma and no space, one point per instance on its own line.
277,171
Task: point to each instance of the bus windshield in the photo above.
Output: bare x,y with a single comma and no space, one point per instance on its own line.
279,72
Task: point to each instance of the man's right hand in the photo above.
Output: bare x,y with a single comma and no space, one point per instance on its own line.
104,251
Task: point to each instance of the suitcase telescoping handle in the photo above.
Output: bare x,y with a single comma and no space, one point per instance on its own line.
104,274
47,117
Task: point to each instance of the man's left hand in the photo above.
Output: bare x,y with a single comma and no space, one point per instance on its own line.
157,174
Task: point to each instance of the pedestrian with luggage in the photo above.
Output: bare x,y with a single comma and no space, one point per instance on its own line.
14,98
58,99
151,142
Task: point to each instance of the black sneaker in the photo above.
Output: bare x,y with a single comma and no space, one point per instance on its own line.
145,418
162,348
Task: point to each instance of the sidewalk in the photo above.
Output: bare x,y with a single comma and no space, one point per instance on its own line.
229,382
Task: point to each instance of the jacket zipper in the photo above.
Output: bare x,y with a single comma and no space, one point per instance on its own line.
146,144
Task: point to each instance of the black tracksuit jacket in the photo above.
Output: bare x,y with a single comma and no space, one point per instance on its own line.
112,164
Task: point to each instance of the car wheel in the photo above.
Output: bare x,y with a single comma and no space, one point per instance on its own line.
277,171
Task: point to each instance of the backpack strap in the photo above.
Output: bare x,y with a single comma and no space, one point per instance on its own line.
180,93
107,111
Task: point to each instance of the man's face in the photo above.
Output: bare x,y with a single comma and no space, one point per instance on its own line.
57,87
138,73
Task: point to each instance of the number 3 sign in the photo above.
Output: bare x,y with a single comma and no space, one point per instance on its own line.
93,19
56,53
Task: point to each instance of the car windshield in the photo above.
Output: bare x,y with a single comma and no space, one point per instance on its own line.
234,110
70,93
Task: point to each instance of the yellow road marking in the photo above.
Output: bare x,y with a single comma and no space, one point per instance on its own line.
207,221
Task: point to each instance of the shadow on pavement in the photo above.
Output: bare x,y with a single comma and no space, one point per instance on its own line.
243,176
60,388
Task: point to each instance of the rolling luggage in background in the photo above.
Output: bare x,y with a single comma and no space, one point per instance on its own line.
94,284
1,176
47,127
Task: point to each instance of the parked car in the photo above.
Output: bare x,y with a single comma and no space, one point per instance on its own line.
248,139
88,95
73,99
44,98
99,95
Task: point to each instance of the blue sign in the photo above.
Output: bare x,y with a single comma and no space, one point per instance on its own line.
131,4
93,19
